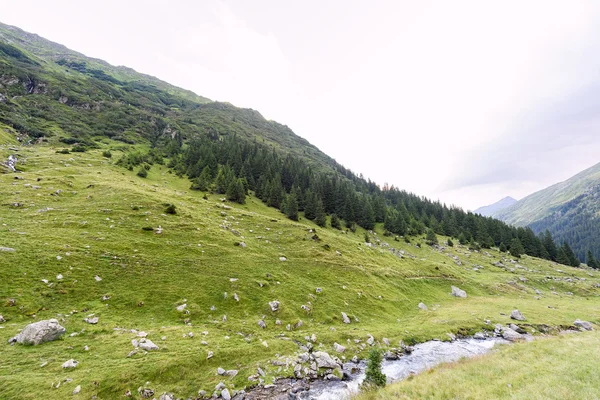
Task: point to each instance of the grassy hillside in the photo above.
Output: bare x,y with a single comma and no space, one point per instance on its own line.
563,367
80,216
542,203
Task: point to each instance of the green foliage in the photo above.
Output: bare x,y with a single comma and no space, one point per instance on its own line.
320,218
171,209
107,154
450,243
203,181
591,260
373,374
142,172
236,192
431,237
292,207
516,248
335,222
503,248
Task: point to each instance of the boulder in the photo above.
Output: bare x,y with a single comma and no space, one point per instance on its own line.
40,332
166,396
510,335
262,324
422,306
457,292
479,336
517,315
220,371
77,389
148,345
370,340
345,318
92,321
324,360
70,364
583,325
225,394
517,328
339,348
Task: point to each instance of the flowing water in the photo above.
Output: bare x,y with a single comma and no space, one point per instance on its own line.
424,356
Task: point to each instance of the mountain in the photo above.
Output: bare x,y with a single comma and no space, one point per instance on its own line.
142,212
488,211
569,210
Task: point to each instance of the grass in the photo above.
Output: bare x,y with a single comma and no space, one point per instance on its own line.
562,367
94,226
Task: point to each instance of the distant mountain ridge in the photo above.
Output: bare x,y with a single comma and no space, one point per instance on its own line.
570,210
490,210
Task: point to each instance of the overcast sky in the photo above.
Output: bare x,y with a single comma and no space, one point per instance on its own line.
462,101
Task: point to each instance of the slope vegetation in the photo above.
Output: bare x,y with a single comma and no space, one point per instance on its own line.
75,217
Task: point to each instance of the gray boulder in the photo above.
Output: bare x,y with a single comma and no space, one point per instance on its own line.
40,332
510,335
70,364
422,306
345,318
274,305
225,394
324,360
339,348
262,324
583,325
457,292
148,345
517,315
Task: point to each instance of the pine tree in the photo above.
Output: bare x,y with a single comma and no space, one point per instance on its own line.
203,181
502,248
562,257
591,261
450,243
292,207
431,237
550,246
310,208
516,248
320,217
335,222
373,374
462,239
573,261
236,192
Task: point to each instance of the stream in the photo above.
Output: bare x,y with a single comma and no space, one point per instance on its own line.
423,357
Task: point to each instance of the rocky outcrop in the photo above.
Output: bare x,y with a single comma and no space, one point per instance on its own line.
587,326
517,315
457,292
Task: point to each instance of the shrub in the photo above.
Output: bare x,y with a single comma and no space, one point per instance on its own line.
171,209
63,151
373,374
450,243
142,173
107,154
78,149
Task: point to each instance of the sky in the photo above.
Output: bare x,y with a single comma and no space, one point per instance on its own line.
463,101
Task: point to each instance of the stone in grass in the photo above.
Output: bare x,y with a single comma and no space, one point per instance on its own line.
510,334
225,394
262,324
345,318
77,389
517,315
181,307
457,292
583,325
40,332
274,305
422,306
92,321
339,348
70,364
148,345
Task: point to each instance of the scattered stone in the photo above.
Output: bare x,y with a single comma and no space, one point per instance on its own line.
319,290
262,324
422,306
274,305
225,394
59,277
148,345
282,259
583,325
232,373
220,371
324,360
167,396
92,321
2,319
210,355
339,348
181,307
370,340
456,292
70,364
345,318
77,389
7,249
386,341
40,332
145,393
97,278
479,336
510,335
517,315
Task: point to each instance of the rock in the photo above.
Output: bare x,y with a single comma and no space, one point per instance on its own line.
59,277
319,290
92,321
274,305
516,314
262,324
324,360
70,364
166,396
2,319
456,292
339,348
391,355
345,318
77,389
181,307
517,328
40,332
220,371
510,334
225,394
355,360
7,249
232,373
148,345
145,393
97,278
370,340
210,355
422,306
479,336
282,259
583,325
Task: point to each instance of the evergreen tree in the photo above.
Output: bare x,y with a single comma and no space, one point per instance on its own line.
591,261
516,248
203,181
292,207
224,179
462,239
562,257
373,374
549,245
335,222
431,237
236,192
310,209
450,243
502,248
320,217
573,261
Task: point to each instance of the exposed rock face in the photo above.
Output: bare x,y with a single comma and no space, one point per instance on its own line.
517,315
40,332
583,325
456,292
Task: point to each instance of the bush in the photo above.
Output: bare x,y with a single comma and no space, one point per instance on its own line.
63,151
335,222
142,173
107,154
78,149
171,209
373,374
450,243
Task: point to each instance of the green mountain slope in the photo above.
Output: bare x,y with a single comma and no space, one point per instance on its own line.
569,210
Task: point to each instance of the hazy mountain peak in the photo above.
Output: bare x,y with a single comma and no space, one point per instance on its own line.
491,209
